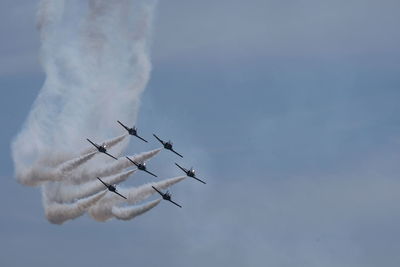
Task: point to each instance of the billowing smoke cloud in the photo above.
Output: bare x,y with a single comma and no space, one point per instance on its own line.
128,213
69,192
59,212
95,54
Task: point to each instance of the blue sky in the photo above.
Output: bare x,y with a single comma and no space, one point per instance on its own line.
288,109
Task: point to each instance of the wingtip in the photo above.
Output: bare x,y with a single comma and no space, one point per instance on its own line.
201,181
141,138
152,174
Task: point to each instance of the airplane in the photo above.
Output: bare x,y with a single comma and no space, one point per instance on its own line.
132,131
190,173
166,196
111,188
167,145
101,148
141,166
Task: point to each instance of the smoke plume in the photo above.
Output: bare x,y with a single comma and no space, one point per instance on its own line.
95,54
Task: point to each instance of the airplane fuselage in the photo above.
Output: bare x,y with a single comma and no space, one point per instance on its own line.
166,196
112,188
132,131
141,167
168,146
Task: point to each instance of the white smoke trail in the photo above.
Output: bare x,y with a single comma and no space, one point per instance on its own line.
95,56
102,211
128,213
66,193
82,176
74,163
59,213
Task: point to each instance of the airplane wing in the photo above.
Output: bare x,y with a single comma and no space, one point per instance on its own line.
199,180
132,161
151,173
159,140
141,138
175,203
93,143
110,155
106,185
183,169
119,194
177,153
126,128
158,191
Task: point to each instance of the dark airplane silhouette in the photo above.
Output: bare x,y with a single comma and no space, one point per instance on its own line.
167,145
111,188
132,131
190,173
101,148
141,166
166,196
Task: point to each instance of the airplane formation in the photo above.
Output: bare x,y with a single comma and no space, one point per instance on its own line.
142,165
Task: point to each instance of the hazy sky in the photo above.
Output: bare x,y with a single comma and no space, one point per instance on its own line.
289,111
